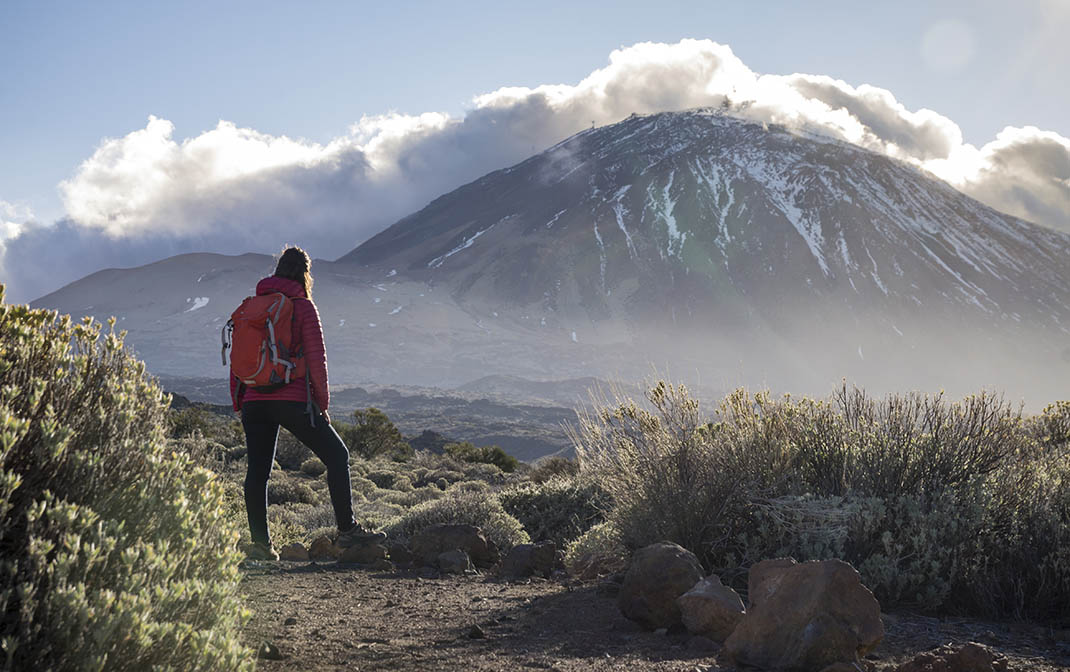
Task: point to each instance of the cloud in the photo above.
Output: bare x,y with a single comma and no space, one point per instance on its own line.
146,195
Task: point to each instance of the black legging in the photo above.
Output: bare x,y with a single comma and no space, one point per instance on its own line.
261,420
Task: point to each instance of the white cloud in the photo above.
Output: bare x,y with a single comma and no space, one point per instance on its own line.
230,189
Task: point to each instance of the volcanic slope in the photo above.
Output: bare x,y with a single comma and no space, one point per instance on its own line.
725,241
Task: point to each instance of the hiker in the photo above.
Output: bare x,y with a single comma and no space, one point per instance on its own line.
298,403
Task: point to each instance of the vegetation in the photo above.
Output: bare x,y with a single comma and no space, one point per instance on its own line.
373,435
468,452
943,506
96,511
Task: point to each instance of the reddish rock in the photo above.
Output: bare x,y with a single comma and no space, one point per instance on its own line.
295,552
805,617
323,548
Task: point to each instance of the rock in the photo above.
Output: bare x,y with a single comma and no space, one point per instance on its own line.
805,617
400,554
476,632
268,651
454,562
323,549
970,657
527,559
658,574
294,552
432,541
700,644
383,565
711,609
363,554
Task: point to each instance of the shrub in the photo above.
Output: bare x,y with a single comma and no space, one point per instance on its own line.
94,511
467,452
599,546
962,506
551,467
289,452
558,510
313,466
374,435
285,490
468,508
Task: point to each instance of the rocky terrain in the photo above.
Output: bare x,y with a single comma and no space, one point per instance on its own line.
327,615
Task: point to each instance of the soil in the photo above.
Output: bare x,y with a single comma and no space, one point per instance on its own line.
329,616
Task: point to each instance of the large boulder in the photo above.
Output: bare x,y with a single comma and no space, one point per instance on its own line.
803,617
432,541
527,559
711,609
658,574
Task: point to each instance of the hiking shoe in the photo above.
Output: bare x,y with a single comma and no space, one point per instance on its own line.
260,551
358,535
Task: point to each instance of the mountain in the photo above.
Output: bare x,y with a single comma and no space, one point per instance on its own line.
717,250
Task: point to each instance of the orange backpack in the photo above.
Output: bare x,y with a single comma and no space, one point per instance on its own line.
259,335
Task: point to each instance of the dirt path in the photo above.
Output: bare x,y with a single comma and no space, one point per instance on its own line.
336,617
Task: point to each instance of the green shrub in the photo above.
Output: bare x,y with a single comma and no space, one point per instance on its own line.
552,467
282,490
600,546
468,508
959,506
467,452
374,435
95,511
558,510
313,466
289,452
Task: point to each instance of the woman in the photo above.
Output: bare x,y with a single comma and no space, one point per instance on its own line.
262,413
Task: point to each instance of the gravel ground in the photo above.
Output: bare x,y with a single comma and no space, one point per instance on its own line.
336,617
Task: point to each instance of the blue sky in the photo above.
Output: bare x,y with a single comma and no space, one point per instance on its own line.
75,73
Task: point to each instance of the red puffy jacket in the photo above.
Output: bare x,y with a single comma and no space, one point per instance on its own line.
308,333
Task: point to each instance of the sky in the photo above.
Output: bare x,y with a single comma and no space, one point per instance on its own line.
131,131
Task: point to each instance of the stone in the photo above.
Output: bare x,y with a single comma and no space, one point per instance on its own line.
700,644
432,541
711,609
969,657
268,651
805,617
363,554
400,554
454,562
383,565
295,552
323,548
528,559
658,574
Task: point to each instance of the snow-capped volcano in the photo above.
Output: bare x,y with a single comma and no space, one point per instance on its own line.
706,246
695,213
